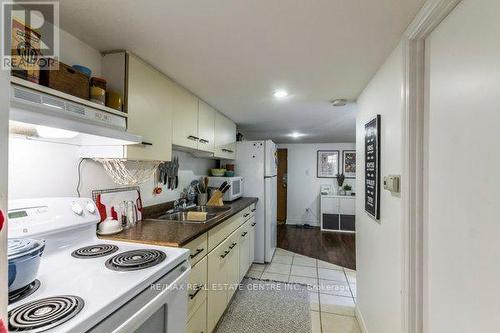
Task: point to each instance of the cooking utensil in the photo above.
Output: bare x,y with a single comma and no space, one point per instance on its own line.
176,172
24,259
202,199
221,187
227,187
205,184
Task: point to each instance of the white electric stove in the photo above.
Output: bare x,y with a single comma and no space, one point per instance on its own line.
86,284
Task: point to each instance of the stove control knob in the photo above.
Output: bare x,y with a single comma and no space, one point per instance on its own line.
77,209
90,207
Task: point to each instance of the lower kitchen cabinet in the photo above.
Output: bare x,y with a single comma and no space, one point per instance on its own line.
197,292
244,249
230,248
217,281
251,239
233,264
198,322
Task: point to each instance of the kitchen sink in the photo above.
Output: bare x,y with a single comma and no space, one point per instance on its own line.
183,217
208,209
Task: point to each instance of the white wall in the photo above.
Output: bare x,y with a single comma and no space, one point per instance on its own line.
463,228
378,243
39,169
303,185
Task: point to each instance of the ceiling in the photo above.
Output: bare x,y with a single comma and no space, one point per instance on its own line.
234,54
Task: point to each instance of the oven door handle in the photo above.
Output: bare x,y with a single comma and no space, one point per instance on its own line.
141,316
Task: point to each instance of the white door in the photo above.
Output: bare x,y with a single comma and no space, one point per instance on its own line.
463,119
4,139
271,223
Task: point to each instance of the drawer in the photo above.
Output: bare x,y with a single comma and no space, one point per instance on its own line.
197,292
198,322
220,232
246,214
253,209
198,249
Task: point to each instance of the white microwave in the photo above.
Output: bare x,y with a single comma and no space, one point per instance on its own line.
234,192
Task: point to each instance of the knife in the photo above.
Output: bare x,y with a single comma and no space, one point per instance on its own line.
227,187
223,185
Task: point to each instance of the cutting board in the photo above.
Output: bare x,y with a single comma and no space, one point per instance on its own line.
106,199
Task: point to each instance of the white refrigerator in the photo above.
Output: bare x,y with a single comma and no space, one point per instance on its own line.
257,163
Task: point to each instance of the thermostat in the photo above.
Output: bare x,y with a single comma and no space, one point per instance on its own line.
391,183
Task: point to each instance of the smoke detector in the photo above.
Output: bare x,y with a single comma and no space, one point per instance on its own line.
339,102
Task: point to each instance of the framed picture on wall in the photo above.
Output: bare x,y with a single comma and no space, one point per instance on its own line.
349,163
372,168
327,164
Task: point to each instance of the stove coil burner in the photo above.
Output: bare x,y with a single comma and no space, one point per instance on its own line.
94,251
44,314
24,292
135,260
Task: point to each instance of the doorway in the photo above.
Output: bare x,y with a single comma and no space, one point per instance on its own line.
282,185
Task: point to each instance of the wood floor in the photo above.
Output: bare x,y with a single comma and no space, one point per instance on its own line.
336,248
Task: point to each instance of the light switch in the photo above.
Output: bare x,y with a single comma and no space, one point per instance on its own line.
391,183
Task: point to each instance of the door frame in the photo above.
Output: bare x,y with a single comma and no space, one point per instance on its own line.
414,154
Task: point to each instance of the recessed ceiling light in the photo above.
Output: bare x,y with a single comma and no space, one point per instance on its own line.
339,102
280,93
296,135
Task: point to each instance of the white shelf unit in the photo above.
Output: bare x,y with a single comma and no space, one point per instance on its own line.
338,213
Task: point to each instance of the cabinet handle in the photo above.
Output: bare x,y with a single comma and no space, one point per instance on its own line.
227,150
232,246
144,143
225,254
246,215
204,141
253,224
198,288
193,138
198,251
244,234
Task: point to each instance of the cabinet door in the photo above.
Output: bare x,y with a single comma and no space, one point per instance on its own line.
251,229
233,264
244,232
206,127
198,322
225,137
217,278
149,111
347,206
197,292
185,118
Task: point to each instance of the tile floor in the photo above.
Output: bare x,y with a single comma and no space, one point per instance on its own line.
332,289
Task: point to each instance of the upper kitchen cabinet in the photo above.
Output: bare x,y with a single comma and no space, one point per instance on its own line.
206,127
225,137
148,102
185,119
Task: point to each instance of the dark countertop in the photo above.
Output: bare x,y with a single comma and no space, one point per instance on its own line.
172,233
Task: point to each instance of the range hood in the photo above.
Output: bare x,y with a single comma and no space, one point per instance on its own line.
49,115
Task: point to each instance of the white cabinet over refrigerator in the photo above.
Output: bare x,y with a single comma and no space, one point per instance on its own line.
256,162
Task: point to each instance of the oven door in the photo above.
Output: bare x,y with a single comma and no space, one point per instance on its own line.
162,308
